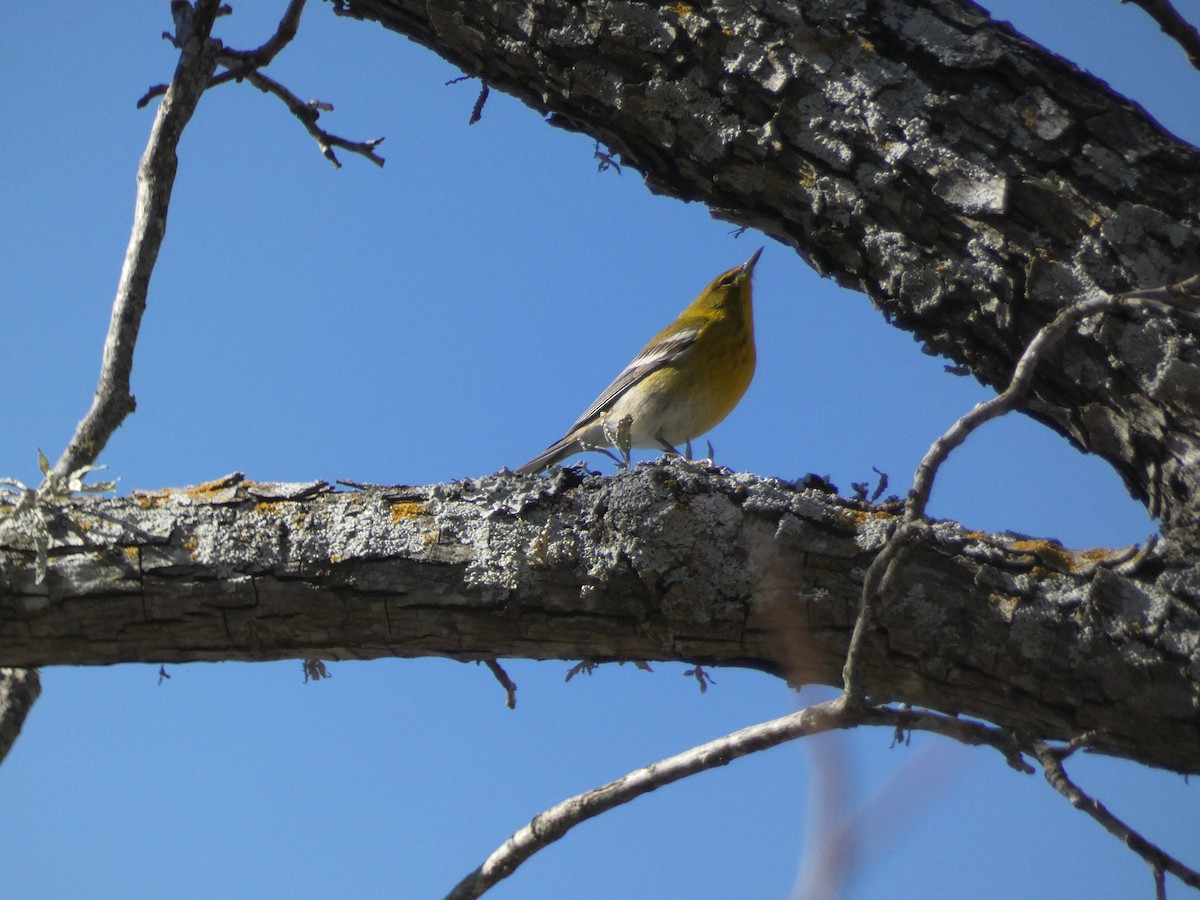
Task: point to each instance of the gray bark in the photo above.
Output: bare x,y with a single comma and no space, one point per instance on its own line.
670,562
969,181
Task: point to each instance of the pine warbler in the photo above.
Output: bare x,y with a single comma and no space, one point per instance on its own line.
685,381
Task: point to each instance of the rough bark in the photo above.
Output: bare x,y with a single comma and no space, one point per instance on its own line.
968,180
670,562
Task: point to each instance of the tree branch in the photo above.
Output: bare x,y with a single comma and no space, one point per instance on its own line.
627,567
554,823
113,400
240,62
1160,861
1174,26
246,65
19,690
971,182
308,113
883,573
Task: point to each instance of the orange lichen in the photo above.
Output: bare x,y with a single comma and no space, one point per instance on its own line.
681,9
406,510
210,489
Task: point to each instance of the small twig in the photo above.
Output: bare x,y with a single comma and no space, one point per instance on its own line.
159,89
583,667
881,486
113,400
606,159
477,109
308,113
1179,297
1174,26
240,62
510,687
1159,860
19,690
245,65
315,670
702,677
549,826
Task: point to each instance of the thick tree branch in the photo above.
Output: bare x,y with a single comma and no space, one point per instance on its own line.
671,561
972,183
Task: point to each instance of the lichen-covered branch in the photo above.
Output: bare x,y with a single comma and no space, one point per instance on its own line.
672,561
968,180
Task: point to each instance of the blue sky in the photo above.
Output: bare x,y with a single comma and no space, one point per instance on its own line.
440,318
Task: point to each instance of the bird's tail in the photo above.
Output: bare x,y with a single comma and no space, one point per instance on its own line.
556,452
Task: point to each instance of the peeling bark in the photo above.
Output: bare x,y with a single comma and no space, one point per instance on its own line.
670,562
969,181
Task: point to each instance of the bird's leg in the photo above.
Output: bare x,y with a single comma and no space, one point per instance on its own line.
621,439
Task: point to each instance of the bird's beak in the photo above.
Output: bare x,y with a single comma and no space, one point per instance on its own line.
748,265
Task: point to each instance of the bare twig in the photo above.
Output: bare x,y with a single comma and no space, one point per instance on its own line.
156,177
549,826
1181,297
510,687
606,161
239,62
19,690
308,113
477,109
245,65
1174,26
1159,860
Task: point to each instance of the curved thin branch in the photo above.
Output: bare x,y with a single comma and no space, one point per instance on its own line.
113,400
547,827
245,60
1174,26
1180,298
1160,861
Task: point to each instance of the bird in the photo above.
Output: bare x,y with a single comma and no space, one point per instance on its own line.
687,379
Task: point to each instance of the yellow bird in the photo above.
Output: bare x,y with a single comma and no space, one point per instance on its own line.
682,383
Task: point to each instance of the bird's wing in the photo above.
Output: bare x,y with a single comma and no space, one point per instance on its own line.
655,355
